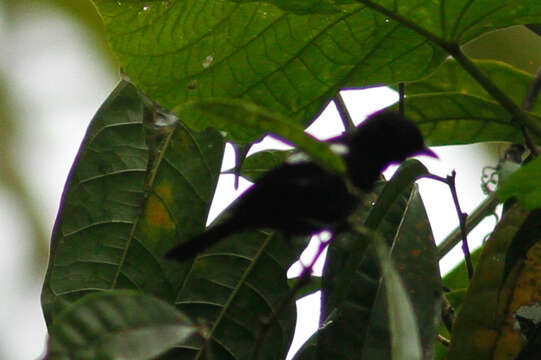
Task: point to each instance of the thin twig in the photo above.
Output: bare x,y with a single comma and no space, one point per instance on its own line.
450,181
273,319
344,113
482,211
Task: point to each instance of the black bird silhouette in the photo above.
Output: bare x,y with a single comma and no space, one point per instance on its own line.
302,198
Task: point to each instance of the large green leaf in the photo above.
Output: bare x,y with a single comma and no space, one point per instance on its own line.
290,57
452,108
524,185
117,325
140,183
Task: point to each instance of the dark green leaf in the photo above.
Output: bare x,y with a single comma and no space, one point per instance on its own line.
524,185
234,287
117,325
129,198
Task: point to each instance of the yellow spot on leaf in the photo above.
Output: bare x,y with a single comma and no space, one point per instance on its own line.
157,214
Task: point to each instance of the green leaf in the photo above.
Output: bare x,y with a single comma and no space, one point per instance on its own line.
301,6
451,107
480,320
236,286
402,324
524,185
247,121
118,325
138,185
281,60
290,56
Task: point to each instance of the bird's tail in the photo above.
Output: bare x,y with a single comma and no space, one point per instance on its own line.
201,242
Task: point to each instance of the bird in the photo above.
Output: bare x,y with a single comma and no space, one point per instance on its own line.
302,198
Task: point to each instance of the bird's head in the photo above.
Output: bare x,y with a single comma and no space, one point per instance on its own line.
393,136
384,138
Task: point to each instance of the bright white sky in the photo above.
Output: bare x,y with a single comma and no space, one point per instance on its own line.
51,65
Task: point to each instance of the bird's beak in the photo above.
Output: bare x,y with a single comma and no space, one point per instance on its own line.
428,152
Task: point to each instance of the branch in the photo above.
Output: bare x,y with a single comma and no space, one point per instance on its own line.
450,181
454,50
482,211
344,113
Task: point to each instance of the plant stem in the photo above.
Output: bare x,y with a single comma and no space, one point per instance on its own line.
454,50
344,113
462,216
483,210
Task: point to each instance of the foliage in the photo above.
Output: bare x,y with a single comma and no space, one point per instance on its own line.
199,73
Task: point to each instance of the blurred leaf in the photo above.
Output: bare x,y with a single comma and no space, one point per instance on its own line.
452,108
248,121
117,325
81,12
13,183
128,199
351,277
398,316
507,45
480,320
524,239
524,185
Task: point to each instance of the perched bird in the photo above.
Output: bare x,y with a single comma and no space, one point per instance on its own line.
302,198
